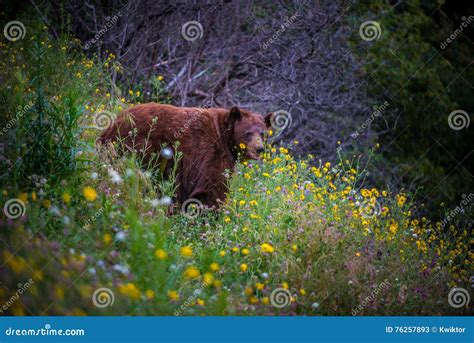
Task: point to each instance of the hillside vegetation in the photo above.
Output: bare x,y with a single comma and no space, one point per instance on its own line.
86,231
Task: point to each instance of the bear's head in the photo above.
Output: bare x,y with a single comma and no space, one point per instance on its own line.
249,132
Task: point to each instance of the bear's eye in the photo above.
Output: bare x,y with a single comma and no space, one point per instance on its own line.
248,134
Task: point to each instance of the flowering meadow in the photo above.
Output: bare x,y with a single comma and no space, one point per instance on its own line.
88,231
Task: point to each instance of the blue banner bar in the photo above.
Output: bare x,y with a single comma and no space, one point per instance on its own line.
237,329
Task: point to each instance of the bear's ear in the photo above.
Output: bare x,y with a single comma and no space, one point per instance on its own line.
235,113
268,120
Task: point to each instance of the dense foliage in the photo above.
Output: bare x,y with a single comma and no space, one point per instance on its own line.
96,226
423,79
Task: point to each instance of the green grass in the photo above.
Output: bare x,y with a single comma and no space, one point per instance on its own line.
93,219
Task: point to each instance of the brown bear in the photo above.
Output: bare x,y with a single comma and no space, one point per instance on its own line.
210,140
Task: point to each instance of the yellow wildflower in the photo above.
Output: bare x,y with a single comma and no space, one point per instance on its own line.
208,278
365,193
23,197
107,238
401,200
186,251
89,193
267,248
47,203
253,300
59,292
130,290
173,295
191,273
16,263
161,254
66,198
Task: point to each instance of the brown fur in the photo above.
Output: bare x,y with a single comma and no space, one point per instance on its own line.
209,141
